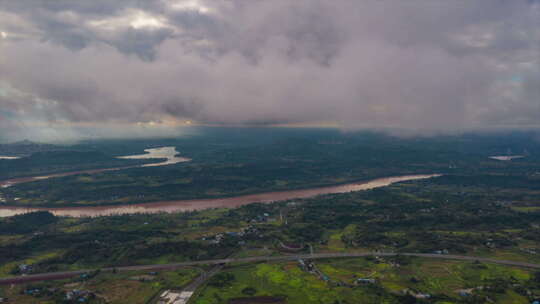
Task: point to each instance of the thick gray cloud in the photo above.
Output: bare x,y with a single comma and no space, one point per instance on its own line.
418,65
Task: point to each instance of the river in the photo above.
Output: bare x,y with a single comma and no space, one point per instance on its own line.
201,204
168,153
507,157
9,157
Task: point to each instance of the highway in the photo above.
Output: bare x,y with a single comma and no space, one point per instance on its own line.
69,274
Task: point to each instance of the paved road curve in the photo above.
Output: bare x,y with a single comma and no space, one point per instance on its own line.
69,274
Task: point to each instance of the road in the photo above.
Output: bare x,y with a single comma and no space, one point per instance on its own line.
69,274
202,278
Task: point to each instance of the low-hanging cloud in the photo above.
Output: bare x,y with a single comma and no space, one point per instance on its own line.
418,65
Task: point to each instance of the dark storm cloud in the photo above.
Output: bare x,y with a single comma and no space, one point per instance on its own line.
421,65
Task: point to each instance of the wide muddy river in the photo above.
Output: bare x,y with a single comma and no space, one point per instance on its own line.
228,202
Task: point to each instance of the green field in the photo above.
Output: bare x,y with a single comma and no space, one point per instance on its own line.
394,280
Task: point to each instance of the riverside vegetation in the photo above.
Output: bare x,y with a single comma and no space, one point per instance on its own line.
480,207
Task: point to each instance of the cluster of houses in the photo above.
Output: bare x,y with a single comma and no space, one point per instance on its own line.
262,218
33,291
529,250
443,251
75,295
78,295
25,268
218,238
378,259
418,295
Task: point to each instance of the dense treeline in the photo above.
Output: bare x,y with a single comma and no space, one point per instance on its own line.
26,223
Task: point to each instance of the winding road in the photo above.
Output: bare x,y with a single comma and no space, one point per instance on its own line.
69,274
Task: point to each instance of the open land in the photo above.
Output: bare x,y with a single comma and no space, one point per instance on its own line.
479,207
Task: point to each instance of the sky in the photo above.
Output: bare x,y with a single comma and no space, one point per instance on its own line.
102,68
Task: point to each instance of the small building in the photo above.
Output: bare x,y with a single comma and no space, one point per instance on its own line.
170,297
443,251
422,296
32,291
24,268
